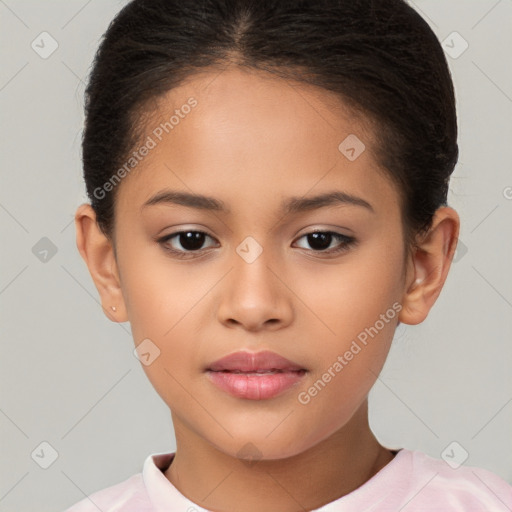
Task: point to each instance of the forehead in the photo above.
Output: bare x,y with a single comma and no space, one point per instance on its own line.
251,135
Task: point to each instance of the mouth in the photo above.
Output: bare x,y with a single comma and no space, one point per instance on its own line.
255,376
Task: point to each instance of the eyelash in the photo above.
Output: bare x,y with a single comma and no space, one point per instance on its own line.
347,243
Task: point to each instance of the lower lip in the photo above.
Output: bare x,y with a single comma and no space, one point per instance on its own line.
253,386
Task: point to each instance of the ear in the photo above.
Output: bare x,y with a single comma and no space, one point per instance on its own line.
429,265
98,253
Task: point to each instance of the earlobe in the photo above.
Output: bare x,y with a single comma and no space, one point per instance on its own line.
97,251
430,263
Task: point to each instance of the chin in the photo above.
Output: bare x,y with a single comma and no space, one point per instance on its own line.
251,444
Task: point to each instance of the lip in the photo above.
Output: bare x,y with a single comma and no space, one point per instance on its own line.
255,376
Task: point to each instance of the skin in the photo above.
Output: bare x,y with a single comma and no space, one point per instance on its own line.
252,141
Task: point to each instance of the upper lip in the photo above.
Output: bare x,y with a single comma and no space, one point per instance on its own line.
254,361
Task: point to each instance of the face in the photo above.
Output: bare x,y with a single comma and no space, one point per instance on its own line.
248,273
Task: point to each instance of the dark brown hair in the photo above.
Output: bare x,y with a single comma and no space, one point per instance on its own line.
379,56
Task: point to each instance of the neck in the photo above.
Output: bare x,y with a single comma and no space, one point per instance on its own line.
325,472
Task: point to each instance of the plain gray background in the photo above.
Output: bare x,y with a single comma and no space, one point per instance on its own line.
68,375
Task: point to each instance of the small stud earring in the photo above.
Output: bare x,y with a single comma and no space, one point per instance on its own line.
113,308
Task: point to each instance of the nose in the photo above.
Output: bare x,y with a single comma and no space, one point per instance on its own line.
253,296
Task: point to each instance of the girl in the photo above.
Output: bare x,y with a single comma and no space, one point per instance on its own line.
268,184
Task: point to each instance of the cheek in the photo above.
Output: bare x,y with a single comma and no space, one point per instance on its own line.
346,368
351,297
165,302
358,305
159,291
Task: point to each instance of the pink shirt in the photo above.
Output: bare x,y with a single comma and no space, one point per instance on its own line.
411,482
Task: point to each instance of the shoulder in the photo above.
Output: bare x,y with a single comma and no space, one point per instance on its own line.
447,482
127,496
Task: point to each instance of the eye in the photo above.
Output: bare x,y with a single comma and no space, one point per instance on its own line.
321,241
183,242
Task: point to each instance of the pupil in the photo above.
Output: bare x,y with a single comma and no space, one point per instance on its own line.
321,240
192,240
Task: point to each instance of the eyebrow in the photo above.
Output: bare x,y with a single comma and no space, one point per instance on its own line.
291,205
